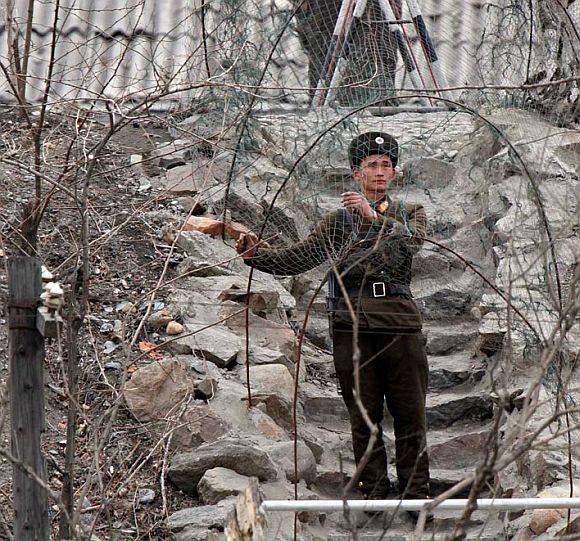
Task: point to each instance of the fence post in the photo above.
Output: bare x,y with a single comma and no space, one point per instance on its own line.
26,353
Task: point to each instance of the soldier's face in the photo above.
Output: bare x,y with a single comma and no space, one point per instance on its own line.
374,175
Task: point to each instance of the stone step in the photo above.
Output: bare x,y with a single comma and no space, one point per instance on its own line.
447,403
322,405
451,337
447,408
447,371
405,536
482,526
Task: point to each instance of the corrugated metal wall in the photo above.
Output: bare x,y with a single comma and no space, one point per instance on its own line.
127,48
104,46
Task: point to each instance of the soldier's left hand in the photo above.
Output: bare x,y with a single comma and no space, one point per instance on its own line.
358,201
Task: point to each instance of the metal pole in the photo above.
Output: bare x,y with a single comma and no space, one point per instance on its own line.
484,504
435,67
359,9
342,25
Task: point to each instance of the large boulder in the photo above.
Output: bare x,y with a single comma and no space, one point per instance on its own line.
282,453
546,150
157,390
198,425
216,344
210,252
220,483
272,379
427,172
202,523
459,452
445,409
239,455
263,333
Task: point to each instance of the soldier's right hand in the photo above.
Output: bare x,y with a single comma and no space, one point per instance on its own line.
247,245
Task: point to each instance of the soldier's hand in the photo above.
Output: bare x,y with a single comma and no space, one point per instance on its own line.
247,245
358,201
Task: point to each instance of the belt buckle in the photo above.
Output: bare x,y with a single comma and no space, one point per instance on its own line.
379,289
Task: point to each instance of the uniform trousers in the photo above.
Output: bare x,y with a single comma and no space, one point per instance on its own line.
392,368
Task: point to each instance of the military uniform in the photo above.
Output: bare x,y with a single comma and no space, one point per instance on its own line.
373,260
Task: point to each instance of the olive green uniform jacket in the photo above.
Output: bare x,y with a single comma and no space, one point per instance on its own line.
362,252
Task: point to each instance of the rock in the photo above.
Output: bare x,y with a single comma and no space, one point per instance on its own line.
280,524
552,522
205,389
441,480
322,405
261,282
174,328
443,410
204,516
241,456
192,266
159,319
263,333
267,426
547,468
312,437
155,391
172,154
273,379
460,452
452,370
261,355
202,248
230,403
199,424
145,496
219,483
428,172
547,150
283,454
208,225
113,365
524,534
259,302
542,519
215,344
318,332
450,300
199,534
278,407
446,339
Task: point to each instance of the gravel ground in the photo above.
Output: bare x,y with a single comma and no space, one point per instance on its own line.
115,454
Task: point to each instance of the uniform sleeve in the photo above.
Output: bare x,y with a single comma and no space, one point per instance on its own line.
320,246
410,222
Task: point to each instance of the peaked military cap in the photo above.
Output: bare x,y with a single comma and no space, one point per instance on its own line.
373,142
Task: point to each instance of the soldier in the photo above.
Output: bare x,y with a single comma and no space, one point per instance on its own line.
370,241
372,49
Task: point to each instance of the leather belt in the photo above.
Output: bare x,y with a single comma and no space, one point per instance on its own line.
380,289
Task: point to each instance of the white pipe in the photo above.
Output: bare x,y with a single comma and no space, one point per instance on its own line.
484,504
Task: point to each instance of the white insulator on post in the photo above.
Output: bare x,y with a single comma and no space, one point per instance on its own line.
47,276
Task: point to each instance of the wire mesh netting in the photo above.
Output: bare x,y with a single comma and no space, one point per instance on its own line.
273,92
472,209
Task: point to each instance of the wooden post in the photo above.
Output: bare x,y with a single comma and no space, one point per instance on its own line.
26,352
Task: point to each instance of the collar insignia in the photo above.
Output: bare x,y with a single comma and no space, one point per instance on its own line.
382,206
